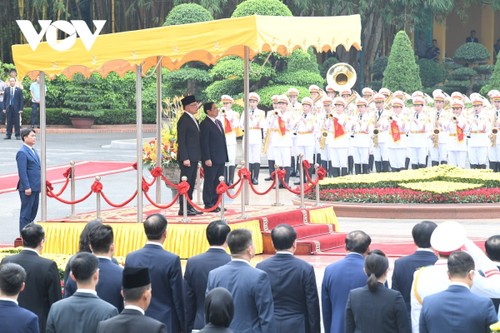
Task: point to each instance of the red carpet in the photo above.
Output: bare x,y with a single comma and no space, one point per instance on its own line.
87,169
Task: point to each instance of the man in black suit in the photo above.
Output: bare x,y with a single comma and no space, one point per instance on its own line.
197,269
188,149
43,284
213,153
13,105
13,317
402,277
110,274
472,37
137,294
293,283
167,302
492,247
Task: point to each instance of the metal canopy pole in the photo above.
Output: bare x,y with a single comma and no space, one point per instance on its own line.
246,145
138,109
158,128
43,148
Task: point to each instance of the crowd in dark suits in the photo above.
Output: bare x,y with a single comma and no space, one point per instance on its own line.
223,293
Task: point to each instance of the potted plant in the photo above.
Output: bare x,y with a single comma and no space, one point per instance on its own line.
83,118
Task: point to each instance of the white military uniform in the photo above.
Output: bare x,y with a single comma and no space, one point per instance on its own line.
397,149
478,143
281,144
494,150
381,152
457,150
230,121
338,147
418,138
362,128
440,119
305,128
257,119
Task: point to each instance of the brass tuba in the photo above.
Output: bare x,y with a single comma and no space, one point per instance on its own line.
341,76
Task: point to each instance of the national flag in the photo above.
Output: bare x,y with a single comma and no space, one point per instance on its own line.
338,129
396,135
227,126
460,133
282,126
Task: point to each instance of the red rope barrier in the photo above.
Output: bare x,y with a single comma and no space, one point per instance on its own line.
126,202
51,195
161,206
63,188
206,210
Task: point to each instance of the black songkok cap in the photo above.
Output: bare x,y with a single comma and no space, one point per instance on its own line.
188,100
135,277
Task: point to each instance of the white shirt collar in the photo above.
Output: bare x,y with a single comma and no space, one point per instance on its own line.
284,252
87,291
154,243
459,284
241,260
29,147
135,307
104,257
30,249
425,249
8,300
218,247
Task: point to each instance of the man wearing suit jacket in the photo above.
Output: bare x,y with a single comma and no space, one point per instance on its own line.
457,309
29,171
12,107
492,248
81,312
197,269
293,283
340,278
404,267
250,287
43,285
213,154
13,317
137,294
188,149
110,274
167,302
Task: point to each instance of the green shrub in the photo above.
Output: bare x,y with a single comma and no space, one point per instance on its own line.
261,7
267,92
378,68
431,72
233,68
456,85
299,78
402,71
494,81
462,73
301,60
469,53
224,87
187,13
485,69
325,66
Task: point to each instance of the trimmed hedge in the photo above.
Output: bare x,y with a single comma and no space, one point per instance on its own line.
56,116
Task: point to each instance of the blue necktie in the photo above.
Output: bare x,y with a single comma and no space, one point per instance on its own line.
11,96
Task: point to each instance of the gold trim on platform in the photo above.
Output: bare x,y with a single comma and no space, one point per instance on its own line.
185,240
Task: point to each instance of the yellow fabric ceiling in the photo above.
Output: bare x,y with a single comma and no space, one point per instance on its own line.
206,42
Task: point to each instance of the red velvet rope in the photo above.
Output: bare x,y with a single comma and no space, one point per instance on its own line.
68,202
183,187
161,206
61,191
233,196
126,202
96,187
168,182
266,191
67,173
208,210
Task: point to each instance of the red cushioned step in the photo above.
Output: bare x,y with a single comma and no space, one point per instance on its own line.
308,230
317,244
293,218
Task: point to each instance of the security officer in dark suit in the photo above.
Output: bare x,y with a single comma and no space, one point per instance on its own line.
197,269
293,283
188,151
13,105
43,285
213,153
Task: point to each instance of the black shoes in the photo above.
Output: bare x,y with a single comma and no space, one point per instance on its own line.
190,212
7,138
18,138
268,179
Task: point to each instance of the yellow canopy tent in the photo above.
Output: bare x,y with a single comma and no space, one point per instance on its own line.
173,46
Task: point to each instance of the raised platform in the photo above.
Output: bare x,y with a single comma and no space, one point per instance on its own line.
421,211
317,229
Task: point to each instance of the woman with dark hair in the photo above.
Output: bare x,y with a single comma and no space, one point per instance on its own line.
375,308
219,311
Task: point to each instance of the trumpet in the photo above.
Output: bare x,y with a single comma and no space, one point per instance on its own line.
322,141
493,136
265,146
375,137
435,138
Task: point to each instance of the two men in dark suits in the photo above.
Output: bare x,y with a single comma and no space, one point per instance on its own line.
340,278
81,312
13,317
30,175
457,309
43,285
213,153
188,149
110,274
137,294
167,302
197,269
405,267
250,287
293,283
13,104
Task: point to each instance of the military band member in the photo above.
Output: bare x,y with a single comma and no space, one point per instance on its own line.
494,151
379,148
230,121
315,95
330,91
305,128
399,125
480,129
368,93
362,126
281,136
457,127
418,135
268,137
293,95
320,149
337,141
295,109
256,122
386,92
439,137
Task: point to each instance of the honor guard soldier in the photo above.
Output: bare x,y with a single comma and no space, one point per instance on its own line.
281,136
337,141
418,135
330,91
362,126
320,149
480,129
256,120
380,134
267,150
230,121
457,127
386,92
397,143
368,93
293,95
439,137
315,95
494,151
295,109
305,127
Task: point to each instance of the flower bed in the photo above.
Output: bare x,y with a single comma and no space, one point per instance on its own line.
441,184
